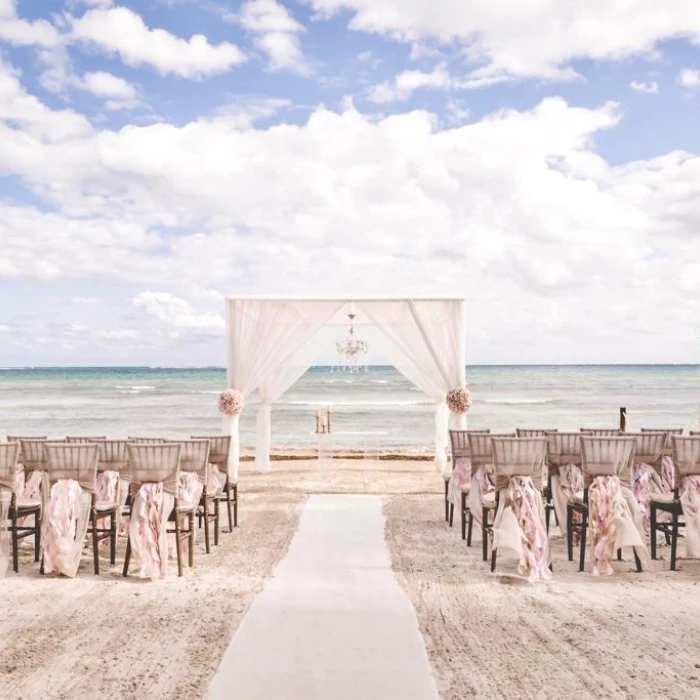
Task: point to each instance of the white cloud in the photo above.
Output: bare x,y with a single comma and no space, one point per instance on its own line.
651,88
177,312
689,78
276,34
4,328
406,83
21,32
520,39
516,210
120,334
118,30
457,113
119,93
85,300
246,111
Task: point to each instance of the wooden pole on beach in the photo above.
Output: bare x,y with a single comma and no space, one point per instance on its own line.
623,419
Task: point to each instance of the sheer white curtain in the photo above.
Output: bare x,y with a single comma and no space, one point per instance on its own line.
280,381
264,335
425,341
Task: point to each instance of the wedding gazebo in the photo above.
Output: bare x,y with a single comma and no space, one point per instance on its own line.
272,342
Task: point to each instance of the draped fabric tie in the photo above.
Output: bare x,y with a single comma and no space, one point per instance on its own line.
520,526
668,471
611,523
482,485
461,476
215,480
690,501
567,487
64,527
147,529
107,494
646,483
189,495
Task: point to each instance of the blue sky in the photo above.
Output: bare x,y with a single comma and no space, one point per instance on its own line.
539,159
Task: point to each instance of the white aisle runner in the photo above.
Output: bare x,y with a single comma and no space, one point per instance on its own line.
332,623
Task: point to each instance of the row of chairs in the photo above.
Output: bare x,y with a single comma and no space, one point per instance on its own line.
602,454
136,461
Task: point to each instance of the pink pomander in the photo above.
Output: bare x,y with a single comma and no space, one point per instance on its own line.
231,402
459,400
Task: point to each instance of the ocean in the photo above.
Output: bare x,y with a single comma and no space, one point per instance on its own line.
379,405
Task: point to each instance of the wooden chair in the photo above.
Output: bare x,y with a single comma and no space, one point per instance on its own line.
146,440
602,456
601,432
79,463
546,485
14,438
692,433
219,448
18,507
512,457
194,458
563,449
159,463
33,458
81,439
459,446
481,451
686,460
115,457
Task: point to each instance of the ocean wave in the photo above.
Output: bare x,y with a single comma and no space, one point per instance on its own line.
357,404
379,381
135,387
514,401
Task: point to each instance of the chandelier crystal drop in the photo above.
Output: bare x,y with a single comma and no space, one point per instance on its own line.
350,350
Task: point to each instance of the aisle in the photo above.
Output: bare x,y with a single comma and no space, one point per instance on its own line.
332,623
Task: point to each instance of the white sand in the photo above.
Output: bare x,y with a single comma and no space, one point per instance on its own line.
332,622
487,635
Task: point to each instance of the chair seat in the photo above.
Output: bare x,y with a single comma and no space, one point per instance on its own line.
184,509
29,504
488,500
105,506
664,498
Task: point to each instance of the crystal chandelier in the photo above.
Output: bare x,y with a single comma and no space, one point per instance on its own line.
350,349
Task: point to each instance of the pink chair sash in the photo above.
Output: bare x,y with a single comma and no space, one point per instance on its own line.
215,480
668,470
645,484
566,486
611,523
461,474
520,526
190,493
147,529
481,485
64,527
107,493
690,500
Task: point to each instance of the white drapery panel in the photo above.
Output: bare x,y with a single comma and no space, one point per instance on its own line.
280,381
425,340
264,336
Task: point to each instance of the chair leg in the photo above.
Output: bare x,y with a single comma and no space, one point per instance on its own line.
127,556
217,516
547,513
95,541
493,559
484,534
229,508
674,540
637,561
470,524
652,528
178,543
447,504
570,532
15,540
235,505
452,513
619,554
584,529
37,536
113,538
205,506
191,539
463,504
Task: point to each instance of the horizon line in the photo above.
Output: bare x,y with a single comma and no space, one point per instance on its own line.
506,364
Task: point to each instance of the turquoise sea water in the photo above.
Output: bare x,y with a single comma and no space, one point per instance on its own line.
178,402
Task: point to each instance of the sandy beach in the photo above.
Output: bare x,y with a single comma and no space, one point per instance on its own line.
487,635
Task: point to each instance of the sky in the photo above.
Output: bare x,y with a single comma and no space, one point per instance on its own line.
537,157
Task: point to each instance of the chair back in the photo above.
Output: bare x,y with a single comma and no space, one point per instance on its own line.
114,457
194,457
219,447
686,455
693,433
147,440
459,441
563,449
151,463
78,439
650,448
32,454
533,432
607,456
518,457
15,438
481,448
73,461
668,432
9,466
601,432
